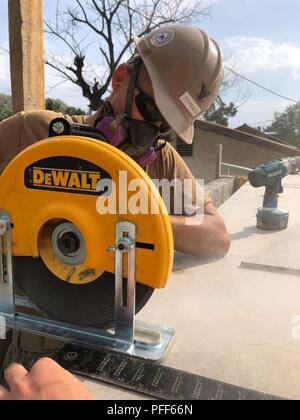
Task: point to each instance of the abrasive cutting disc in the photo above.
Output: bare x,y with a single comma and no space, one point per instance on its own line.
87,305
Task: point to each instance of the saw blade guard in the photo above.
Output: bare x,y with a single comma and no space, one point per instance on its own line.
67,183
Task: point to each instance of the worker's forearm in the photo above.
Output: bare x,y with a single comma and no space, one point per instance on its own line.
201,239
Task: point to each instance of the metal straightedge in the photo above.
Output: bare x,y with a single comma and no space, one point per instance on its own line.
131,337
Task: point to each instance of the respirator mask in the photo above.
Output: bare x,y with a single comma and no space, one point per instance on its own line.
138,139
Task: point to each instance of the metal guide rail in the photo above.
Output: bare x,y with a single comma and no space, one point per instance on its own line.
149,378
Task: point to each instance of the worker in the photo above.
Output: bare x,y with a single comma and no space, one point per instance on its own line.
173,78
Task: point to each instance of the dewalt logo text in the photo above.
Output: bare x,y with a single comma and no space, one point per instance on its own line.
70,175
85,181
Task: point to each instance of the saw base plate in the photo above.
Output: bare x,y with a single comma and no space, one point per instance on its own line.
151,341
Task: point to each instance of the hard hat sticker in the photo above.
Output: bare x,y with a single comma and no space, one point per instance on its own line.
162,38
190,104
204,93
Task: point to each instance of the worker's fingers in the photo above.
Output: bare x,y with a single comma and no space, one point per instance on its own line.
42,368
4,394
14,374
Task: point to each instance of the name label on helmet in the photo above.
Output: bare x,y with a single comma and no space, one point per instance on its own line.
65,174
190,104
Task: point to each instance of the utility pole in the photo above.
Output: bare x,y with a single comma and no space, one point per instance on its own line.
26,54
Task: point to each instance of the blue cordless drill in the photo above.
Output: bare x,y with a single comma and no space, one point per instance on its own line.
270,175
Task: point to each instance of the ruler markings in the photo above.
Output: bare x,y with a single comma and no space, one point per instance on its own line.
150,378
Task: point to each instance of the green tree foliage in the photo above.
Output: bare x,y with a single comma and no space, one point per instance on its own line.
55,105
287,124
220,112
51,104
5,100
58,105
5,106
5,112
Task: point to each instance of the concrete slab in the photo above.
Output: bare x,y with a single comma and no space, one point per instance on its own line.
220,190
281,255
233,324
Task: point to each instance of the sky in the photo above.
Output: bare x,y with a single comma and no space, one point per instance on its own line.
259,39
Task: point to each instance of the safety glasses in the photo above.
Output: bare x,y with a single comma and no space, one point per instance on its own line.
147,106
145,103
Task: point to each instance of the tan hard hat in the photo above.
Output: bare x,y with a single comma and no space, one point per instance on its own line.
186,71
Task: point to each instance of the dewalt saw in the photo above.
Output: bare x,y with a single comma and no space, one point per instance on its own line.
80,271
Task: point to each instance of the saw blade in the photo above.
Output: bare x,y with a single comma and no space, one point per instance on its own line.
86,305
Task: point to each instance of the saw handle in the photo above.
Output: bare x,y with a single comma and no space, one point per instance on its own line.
271,195
62,127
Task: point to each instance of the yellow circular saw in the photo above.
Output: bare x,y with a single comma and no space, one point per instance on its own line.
65,196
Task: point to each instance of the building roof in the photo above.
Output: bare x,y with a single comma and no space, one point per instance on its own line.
269,136
246,137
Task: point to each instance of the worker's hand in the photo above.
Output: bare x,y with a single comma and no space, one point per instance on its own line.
46,381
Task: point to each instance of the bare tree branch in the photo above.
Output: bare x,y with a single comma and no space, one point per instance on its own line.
61,71
4,50
49,89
